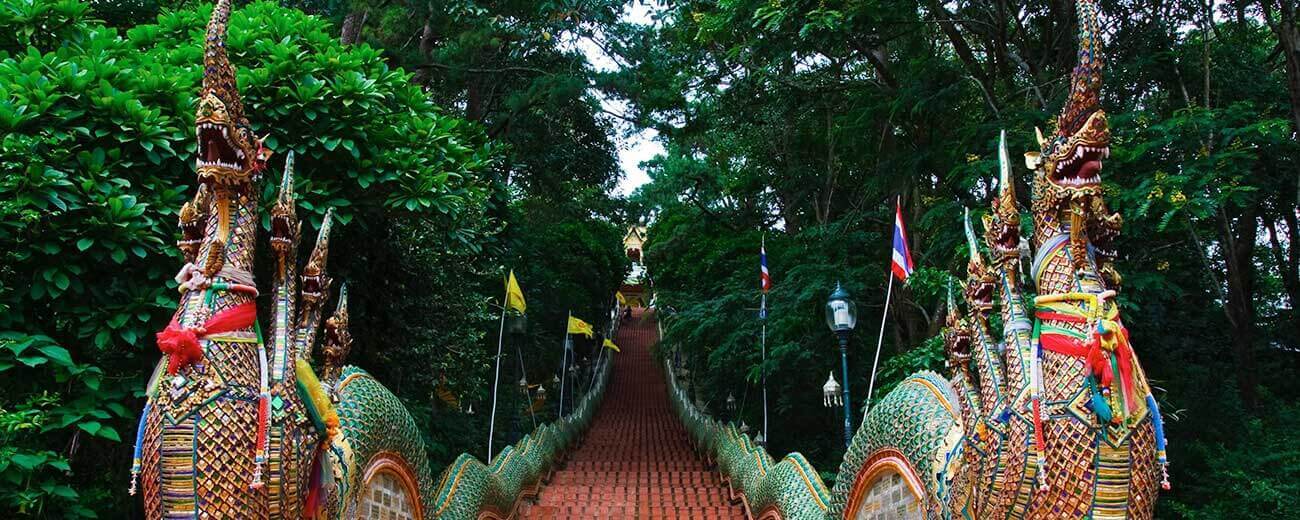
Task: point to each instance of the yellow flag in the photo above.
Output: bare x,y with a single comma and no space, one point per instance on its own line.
514,295
609,344
621,299
577,326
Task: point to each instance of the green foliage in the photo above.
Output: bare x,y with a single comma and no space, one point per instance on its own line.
511,68
97,156
1261,470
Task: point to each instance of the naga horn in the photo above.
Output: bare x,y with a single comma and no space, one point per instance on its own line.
1085,79
218,73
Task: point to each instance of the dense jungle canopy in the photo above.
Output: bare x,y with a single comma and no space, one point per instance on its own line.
457,140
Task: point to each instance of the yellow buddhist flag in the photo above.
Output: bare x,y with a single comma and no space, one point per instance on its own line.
621,299
577,326
609,344
514,295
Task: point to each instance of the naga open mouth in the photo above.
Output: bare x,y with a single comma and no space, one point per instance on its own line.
216,149
957,344
1082,169
979,293
313,287
1003,238
225,154
283,229
1077,160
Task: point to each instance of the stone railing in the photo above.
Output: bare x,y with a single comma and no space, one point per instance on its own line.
789,489
469,489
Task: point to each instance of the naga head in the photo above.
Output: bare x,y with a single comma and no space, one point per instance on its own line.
1002,227
230,155
1067,184
284,218
1069,163
956,336
193,222
1103,231
979,278
315,283
338,340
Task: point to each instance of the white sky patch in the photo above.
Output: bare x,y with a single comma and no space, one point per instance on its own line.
635,145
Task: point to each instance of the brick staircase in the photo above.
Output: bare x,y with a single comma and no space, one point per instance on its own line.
635,461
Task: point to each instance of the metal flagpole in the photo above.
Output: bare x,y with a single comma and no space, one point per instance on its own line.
879,341
493,421
595,365
595,369
528,396
763,318
564,364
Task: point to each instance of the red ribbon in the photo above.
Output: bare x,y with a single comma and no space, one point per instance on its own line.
1096,357
181,344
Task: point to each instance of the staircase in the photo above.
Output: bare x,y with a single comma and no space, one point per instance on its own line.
635,461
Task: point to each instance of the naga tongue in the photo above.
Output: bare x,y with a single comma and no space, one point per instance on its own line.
1089,169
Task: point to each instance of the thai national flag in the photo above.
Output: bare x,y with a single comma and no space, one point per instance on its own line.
765,279
902,263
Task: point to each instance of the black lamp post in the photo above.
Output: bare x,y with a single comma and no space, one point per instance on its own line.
516,324
841,317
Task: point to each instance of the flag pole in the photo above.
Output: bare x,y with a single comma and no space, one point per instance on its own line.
879,341
528,396
595,366
501,332
564,363
763,341
762,316
599,356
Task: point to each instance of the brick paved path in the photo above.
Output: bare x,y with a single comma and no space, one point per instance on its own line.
635,461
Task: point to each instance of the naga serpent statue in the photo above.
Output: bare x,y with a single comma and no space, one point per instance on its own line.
238,427
1055,419
236,423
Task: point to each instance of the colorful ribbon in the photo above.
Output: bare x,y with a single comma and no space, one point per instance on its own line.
181,344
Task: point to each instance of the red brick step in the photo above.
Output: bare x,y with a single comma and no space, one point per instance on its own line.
635,461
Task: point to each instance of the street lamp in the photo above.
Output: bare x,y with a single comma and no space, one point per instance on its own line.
731,402
841,317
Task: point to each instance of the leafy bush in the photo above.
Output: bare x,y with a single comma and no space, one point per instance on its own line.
97,156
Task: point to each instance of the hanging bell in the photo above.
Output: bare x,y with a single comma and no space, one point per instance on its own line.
831,396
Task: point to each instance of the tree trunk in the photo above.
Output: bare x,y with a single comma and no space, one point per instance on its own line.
1284,26
1288,266
424,75
1237,236
351,32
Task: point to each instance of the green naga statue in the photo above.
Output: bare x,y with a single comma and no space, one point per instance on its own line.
236,424
1054,419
